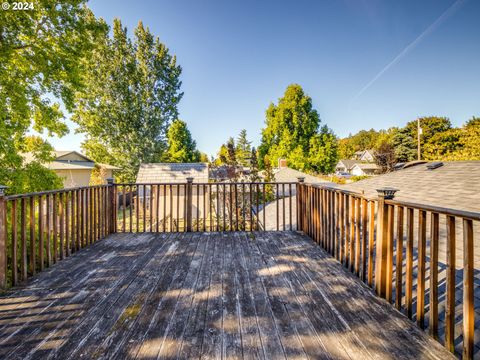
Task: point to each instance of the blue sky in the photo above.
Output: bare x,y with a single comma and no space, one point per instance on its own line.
365,63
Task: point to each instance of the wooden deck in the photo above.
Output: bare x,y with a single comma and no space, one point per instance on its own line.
193,295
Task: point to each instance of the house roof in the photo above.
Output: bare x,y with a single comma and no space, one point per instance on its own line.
348,163
59,164
367,166
291,175
454,185
172,173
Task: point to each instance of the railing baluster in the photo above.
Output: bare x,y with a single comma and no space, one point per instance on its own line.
164,220
124,208
49,230
144,208
55,228
198,206
250,206
73,243
364,239
61,211
41,233
151,208
289,207
389,272
422,234
409,263
224,210
23,238
230,207
399,258
351,220
450,285
204,196
371,243
32,236
357,235
434,235
468,289
14,243
236,207
264,207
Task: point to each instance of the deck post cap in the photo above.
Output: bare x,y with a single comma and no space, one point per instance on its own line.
2,190
190,179
110,181
301,178
387,193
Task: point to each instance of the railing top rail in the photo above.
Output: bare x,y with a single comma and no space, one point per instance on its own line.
211,183
419,206
58,191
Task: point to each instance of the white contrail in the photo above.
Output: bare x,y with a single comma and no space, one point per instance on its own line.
454,7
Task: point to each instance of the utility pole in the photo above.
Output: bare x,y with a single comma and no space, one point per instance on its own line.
419,132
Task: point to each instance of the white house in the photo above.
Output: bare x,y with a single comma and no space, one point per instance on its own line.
362,169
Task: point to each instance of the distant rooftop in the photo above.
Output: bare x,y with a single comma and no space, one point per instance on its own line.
172,172
455,185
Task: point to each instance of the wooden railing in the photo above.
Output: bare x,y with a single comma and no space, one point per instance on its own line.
39,229
418,257
227,206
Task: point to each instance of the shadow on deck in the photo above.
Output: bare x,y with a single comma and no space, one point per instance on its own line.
204,295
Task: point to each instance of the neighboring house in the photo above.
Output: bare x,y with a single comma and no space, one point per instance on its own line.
74,168
455,185
172,197
365,155
346,165
365,169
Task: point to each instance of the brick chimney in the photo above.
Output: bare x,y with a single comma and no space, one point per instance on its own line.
282,163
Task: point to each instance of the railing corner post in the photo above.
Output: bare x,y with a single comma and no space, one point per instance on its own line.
382,238
189,203
3,238
111,206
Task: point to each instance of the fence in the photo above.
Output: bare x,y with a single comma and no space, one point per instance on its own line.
386,243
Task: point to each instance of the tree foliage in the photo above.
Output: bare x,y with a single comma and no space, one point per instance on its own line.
42,53
181,147
292,132
130,98
243,149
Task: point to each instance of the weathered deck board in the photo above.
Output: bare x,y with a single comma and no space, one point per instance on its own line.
271,295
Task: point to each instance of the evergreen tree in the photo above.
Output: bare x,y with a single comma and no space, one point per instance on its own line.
243,149
181,146
254,177
131,96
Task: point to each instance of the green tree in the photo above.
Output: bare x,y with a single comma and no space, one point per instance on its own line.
404,145
181,147
243,149
289,128
323,151
130,98
254,177
385,157
42,53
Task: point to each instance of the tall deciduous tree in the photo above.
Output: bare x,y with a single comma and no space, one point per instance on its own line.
131,96
181,147
290,127
42,52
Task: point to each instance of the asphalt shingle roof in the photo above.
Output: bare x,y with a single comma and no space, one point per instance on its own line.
172,173
454,185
